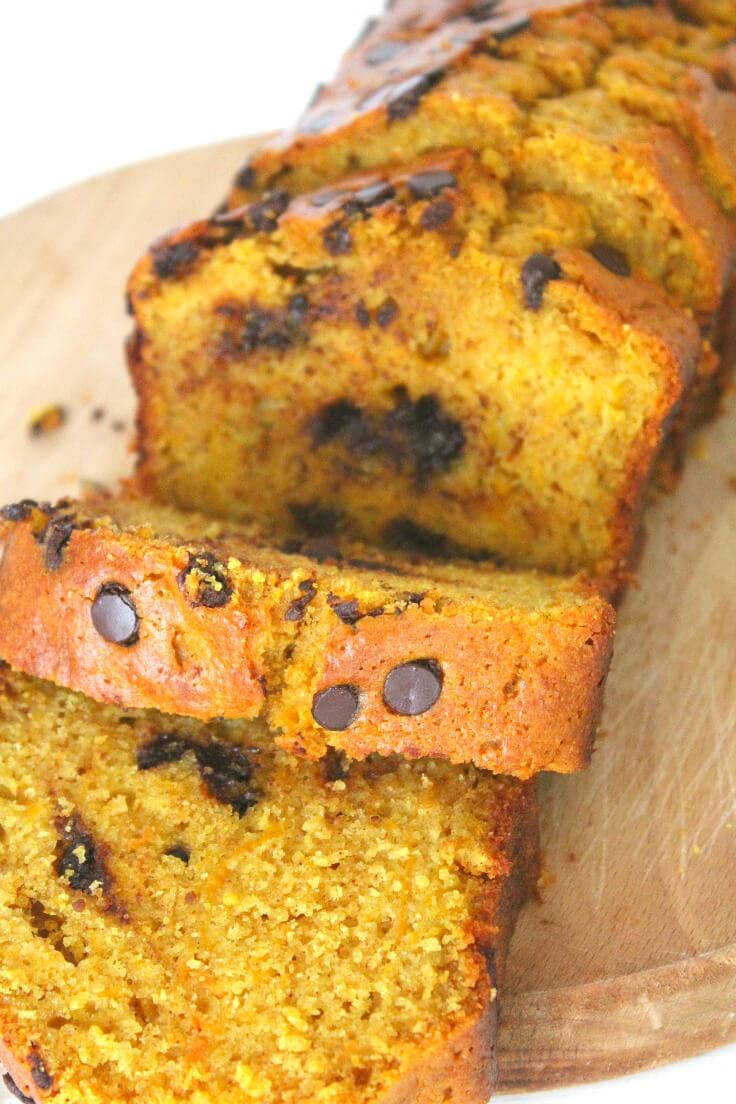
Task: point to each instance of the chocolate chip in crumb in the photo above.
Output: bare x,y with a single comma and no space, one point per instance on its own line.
724,80
362,314
412,688
611,258
337,239
315,520
226,773
264,216
335,766
437,214
174,260
320,549
246,178
407,96
56,537
205,581
383,52
78,858
372,195
333,420
19,511
180,852
406,536
114,615
298,607
39,1071
165,747
425,185
336,707
536,272
386,313
11,1086
347,609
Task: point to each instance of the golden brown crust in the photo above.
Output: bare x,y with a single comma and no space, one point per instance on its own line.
520,691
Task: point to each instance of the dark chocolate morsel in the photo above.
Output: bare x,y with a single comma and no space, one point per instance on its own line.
386,313
226,772
425,185
39,1072
78,859
264,215
11,1086
478,13
384,51
612,259
298,607
179,851
56,537
407,95
437,214
536,273
362,314
114,615
413,688
246,178
373,194
347,609
337,239
173,260
19,511
315,520
335,767
205,581
336,707
165,747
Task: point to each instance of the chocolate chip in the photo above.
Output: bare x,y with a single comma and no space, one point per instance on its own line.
276,328
246,178
333,420
114,615
226,773
19,511
336,707
373,194
724,80
78,858
298,607
536,273
478,13
346,609
435,439
384,51
11,1086
264,216
612,259
413,688
501,34
165,747
362,314
56,537
337,239
437,214
386,313
173,260
408,95
425,185
205,581
323,199
319,123
335,766
39,1072
320,549
179,851
407,536
315,520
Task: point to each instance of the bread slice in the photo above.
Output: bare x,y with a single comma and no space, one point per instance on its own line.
188,913
529,97
142,606
411,344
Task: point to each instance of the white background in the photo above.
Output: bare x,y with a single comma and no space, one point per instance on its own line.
88,85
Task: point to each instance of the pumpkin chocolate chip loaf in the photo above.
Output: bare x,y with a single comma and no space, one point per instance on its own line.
187,913
534,97
139,605
411,353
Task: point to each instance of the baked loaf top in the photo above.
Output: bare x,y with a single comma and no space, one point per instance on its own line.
410,345
187,913
651,154
143,606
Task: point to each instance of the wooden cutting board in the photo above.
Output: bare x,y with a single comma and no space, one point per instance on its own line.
629,959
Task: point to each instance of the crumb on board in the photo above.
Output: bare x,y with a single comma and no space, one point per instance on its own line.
47,420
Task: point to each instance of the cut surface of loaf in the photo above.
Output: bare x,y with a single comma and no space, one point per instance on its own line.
187,913
141,605
411,344
650,152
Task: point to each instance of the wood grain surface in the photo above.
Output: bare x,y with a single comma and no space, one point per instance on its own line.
629,959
